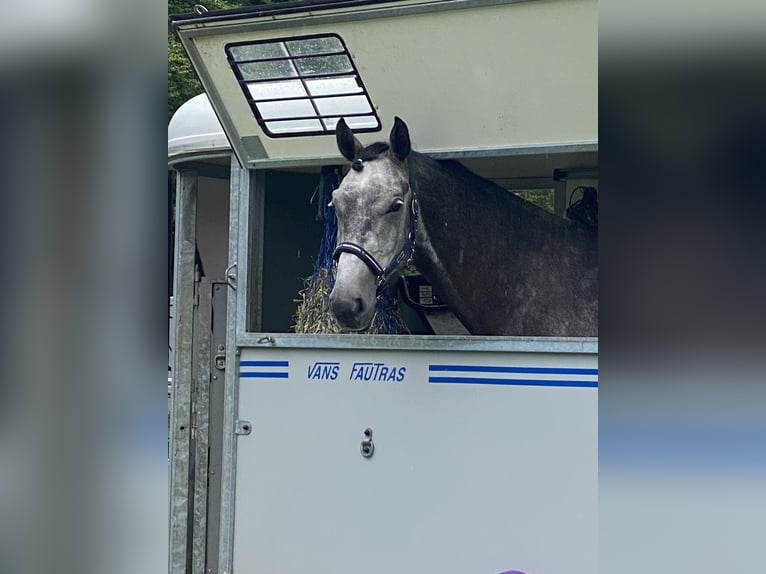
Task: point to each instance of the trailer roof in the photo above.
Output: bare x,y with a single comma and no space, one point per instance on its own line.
259,10
194,129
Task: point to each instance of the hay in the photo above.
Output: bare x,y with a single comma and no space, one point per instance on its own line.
313,314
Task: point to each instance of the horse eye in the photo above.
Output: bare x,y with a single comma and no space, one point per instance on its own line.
397,204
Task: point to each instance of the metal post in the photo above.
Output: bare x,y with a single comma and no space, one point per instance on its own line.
200,405
250,315
180,413
235,303
215,426
560,197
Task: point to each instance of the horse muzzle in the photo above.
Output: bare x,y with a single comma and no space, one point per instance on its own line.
351,311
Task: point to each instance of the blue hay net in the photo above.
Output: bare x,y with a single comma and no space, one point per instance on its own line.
327,184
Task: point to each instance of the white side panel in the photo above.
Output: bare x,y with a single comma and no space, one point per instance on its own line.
466,478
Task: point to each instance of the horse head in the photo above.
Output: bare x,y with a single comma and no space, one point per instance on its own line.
376,223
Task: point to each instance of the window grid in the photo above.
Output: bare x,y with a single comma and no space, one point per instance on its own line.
320,78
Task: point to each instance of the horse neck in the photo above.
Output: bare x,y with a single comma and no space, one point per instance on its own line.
475,239
464,217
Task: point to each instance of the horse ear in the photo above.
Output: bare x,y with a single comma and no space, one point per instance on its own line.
346,140
400,139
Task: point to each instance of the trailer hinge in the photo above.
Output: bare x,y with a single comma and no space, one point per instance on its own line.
197,279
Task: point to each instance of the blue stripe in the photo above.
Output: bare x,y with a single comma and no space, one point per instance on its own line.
523,382
538,370
263,364
264,375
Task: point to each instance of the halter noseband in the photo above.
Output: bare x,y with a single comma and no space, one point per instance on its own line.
401,259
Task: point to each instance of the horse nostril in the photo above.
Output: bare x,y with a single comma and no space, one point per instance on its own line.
350,311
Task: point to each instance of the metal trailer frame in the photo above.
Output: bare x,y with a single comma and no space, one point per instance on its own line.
204,419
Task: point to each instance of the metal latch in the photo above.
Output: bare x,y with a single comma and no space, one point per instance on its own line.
243,427
231,276
367,448
220,358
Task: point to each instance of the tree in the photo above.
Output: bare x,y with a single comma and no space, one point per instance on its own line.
182,80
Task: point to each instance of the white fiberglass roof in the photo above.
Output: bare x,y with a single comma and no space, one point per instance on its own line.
194,128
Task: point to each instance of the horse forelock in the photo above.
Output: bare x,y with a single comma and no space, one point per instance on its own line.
380,174
372,151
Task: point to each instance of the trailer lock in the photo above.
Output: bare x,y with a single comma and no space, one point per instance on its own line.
367,447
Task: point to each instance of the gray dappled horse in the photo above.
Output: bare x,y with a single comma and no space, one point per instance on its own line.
503,265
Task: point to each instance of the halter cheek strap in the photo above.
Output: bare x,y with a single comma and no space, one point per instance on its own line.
401,259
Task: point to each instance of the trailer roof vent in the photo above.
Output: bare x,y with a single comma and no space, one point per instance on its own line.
302,85
194,128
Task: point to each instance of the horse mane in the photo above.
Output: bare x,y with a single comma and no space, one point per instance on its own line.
461,176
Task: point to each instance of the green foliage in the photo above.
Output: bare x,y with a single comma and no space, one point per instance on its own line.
182,80
540,197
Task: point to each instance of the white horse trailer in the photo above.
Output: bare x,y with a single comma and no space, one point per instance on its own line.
352,453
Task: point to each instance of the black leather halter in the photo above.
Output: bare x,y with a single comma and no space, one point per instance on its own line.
401,259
